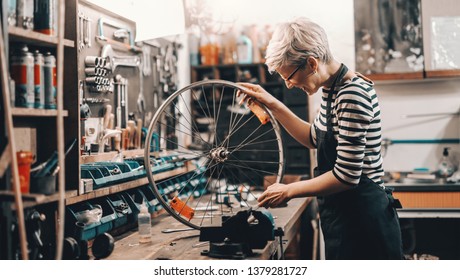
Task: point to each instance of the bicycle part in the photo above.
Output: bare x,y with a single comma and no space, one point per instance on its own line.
224,157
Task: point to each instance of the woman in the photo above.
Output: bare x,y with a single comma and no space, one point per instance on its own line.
357,214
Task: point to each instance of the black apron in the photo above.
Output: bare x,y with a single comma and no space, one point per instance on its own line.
360,223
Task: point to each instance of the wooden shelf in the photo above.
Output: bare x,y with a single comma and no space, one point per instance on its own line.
125,186
34,199
396,76
32,112
454,73
18,34
109,156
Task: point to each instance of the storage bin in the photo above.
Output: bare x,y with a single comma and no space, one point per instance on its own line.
122,209
108,215
73,213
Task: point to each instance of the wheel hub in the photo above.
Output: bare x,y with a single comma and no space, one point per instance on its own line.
219,154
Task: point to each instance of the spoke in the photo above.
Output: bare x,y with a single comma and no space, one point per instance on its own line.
257,150
253,143
242,144
247,167
206,186
192,127
188,198
218,114
250,181
233,121
233,132
179,130
206,101
176,144
198,101
255,161
192,177
244,165
254,131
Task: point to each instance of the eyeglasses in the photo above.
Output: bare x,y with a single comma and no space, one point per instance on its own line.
293,72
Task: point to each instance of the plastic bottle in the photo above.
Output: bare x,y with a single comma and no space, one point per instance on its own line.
445,167
144,224
244,49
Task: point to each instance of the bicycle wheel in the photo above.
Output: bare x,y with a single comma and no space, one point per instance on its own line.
218,151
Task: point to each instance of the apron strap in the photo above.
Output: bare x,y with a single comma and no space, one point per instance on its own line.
341,73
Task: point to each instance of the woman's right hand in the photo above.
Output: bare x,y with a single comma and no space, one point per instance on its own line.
258,93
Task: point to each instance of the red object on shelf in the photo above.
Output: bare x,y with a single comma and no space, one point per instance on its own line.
25,159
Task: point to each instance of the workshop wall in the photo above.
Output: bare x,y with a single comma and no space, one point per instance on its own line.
408,97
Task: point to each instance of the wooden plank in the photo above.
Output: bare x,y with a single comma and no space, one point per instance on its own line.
28,36
428,199
32,112
443,73
396,76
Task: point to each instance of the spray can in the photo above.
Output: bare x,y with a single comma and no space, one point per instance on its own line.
45,14
50,81
22,72
39,80
25,14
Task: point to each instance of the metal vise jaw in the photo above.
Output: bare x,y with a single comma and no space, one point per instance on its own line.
238,236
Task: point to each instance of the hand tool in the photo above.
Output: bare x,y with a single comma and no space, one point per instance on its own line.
138,133
146,61
49,166
141,98
171,230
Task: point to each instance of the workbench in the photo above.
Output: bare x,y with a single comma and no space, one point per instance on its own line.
186,245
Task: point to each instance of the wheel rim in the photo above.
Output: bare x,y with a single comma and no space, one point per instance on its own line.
236,155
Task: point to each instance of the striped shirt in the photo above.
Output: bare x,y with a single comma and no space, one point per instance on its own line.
357,129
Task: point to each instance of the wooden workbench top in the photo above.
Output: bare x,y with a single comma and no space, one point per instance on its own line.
182,245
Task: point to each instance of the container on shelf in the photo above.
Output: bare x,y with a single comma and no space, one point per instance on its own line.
25,159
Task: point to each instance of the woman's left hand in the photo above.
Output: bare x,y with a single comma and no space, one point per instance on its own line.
276,195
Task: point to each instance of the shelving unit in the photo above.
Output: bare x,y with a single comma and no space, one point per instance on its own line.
124,186
48,136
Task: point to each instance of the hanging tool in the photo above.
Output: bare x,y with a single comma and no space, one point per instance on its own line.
85,111
146,61
140,97
118,80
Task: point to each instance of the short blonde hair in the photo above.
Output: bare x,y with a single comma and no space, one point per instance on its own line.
294,41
